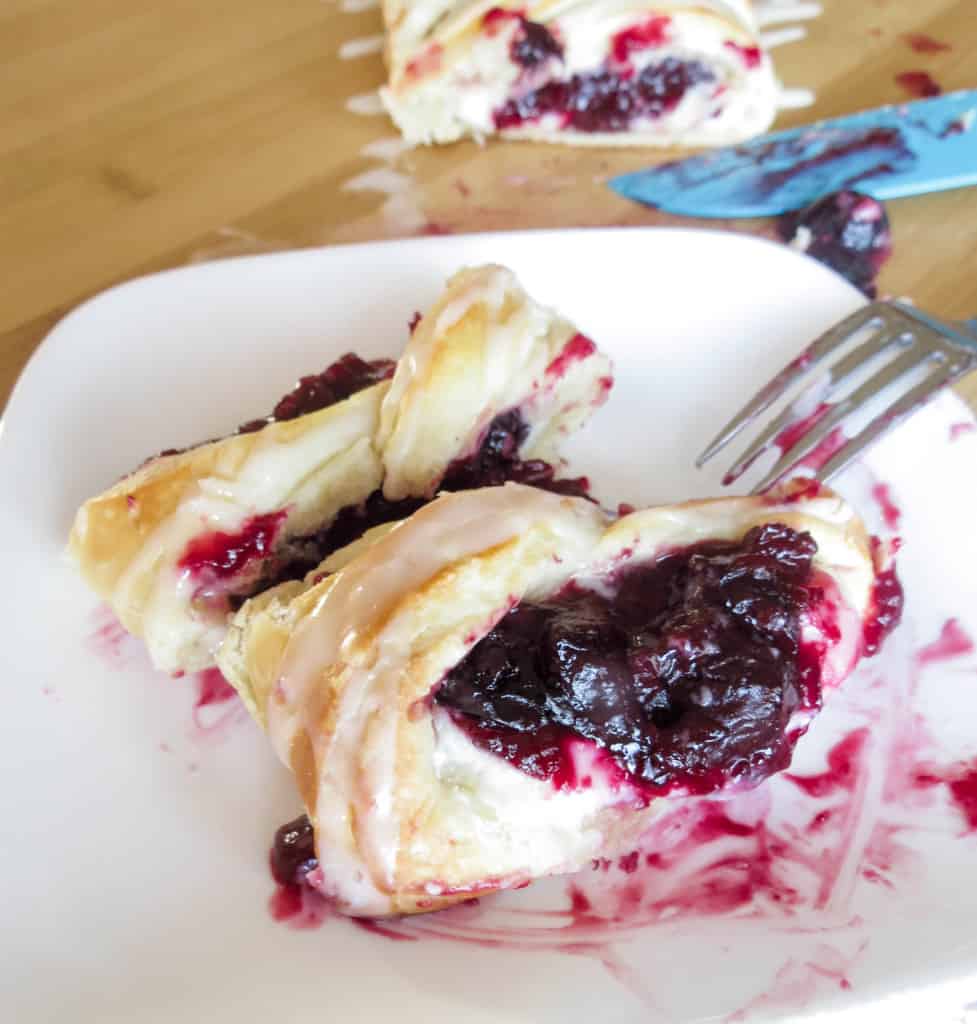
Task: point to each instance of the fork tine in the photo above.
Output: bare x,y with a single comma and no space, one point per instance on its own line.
895,414
879,342
781,422
810,439
809,359
786,418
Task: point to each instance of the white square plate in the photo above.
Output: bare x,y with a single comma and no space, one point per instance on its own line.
135,824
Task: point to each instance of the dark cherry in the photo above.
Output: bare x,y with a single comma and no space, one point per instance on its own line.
349,525
534,44
343,379
338,381
497,462
293,853
548,99
848,231
494,463
662,85
601,103
606,101
687,676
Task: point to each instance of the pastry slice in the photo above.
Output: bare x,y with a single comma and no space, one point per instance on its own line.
614,72
507,684
488,384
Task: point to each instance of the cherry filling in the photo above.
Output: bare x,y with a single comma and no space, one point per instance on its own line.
228,568
219,555
293,853
687,676
343,379
497,462
494,463
847,231
607,100
533,45
337,382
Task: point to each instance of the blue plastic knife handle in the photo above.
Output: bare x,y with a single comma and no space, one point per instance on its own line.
924,146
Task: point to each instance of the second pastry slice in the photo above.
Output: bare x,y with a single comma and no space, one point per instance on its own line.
487,387
604,72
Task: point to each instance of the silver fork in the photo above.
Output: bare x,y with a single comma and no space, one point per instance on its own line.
915,342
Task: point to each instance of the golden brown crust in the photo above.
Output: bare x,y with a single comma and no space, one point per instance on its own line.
486,347
112,526
128,542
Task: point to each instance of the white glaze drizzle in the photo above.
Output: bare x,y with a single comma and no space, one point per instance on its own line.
366,104
378,179
779,37
387,148
362,47
774,12
355,764
791,99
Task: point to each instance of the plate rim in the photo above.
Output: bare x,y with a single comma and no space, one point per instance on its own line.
49,344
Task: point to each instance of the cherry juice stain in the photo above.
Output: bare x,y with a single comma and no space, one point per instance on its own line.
963,791
798,983
919,42
833,442
216,705
842,770
953,642
298,906
111,642
961,429
918,84
825,449
891,513
923,774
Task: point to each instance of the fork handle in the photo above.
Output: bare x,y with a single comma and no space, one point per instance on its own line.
962,333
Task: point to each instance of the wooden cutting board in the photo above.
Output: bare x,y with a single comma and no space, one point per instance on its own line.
138,135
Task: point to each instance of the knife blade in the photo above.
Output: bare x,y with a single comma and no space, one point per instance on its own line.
924,146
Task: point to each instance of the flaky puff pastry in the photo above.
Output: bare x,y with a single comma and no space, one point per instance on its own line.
409,815
485,348
584,72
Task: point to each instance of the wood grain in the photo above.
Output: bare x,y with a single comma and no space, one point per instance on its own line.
138,136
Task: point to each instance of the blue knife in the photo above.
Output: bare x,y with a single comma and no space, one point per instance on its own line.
925,146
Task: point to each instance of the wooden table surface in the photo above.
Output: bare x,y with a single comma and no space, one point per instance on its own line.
138,135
